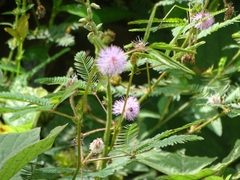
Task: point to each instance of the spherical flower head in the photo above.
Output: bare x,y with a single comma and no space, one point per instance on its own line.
111,61
214,99
205,24
131,109
97,146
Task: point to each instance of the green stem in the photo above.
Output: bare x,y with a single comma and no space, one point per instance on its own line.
118,127
79,124
152,87
198,128
50,59
19,56
108,124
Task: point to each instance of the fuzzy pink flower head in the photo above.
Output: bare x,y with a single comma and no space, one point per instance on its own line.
131,110
205,24
111,61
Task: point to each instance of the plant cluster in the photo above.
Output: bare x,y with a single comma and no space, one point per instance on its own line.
109,116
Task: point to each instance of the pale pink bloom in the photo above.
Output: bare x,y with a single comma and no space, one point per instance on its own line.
131,109
205,24
111,61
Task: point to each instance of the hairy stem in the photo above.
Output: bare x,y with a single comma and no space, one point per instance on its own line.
108,124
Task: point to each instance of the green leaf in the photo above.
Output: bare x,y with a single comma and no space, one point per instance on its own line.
22,28
217,26
25,98
174,163
116,165
53,80
214,178
84,65
164,134
74,9
167,61
170,141
234,155
23,147
127,138
165,46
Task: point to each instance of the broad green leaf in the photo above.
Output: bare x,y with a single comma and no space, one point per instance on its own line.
174,163
234,154
10,144
74,9
200,175
214,178
26,147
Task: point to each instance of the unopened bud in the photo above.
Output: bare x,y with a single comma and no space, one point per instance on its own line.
97,146
95,6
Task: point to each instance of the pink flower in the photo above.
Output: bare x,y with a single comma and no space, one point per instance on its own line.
111,61
131,110
205,24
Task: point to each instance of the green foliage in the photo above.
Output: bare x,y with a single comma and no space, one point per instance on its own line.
84,65
174,163
26,98
25,144
185,87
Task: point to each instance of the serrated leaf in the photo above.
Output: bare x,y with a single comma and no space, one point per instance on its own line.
170,141
53,80
84,65
24,98
23,153
164,134
116,165
174,163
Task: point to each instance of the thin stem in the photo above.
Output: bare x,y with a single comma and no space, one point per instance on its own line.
117,129
106,158
152,87
148,75
97,119
160,123
94,131
79,124
108,124
19,56
176,112
206,4
100,102
62,114
198,128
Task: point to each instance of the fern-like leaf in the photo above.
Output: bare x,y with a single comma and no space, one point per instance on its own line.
127,137
163,135
217,26
53,80
172,140
25,98
83,65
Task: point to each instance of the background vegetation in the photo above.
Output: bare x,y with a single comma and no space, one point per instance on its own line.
38,134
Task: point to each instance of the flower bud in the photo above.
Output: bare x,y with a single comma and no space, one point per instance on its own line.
95,6
97,146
